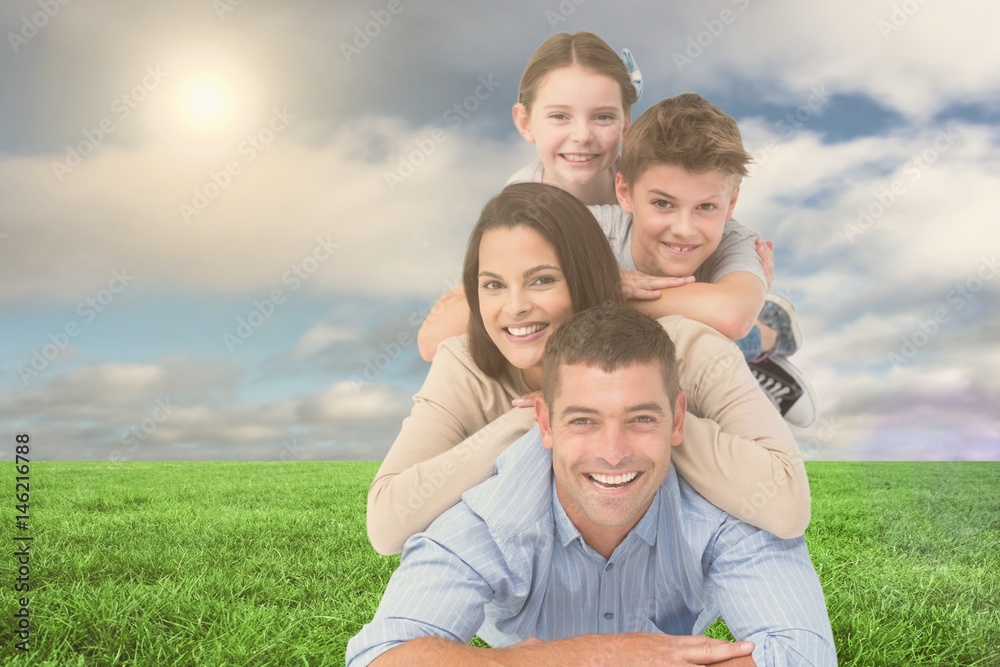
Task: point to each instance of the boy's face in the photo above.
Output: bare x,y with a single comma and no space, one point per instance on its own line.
677,217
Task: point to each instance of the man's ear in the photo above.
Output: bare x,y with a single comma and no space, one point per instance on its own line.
680,410
623,194
522,121
542,417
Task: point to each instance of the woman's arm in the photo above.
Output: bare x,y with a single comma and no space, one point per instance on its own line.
460,422
737,450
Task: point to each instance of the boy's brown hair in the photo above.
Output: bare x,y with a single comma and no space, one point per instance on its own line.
688,132
584,49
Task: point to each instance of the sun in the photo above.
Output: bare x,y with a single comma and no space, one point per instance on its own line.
205,103
210,101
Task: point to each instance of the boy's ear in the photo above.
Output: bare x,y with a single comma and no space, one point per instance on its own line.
522,121
544,425
623,194
732,202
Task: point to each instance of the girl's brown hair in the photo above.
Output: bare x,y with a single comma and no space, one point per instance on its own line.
584,49
584,253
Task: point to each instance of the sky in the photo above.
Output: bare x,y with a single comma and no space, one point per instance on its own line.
222,222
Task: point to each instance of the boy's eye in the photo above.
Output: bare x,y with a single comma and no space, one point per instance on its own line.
661,203
708,207
607,117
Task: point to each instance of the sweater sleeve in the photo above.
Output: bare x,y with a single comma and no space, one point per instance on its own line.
460,422
737,450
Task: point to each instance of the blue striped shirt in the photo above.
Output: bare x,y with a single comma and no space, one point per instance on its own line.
508,563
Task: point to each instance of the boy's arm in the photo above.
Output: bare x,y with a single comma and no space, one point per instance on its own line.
449,317
730,305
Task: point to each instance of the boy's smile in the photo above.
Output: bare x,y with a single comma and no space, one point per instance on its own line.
677,217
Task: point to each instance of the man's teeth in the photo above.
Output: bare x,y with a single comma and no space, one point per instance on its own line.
524,331
573,157
613,480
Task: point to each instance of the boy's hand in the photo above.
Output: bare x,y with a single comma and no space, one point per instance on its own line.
765,250
644,287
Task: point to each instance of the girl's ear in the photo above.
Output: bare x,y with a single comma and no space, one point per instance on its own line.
522,121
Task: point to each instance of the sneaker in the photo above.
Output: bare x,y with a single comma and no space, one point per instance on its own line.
779,314
789,390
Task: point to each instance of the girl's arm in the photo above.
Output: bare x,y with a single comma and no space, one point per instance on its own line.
460,422
737,450
449,317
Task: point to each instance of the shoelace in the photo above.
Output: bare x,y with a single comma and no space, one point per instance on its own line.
773,386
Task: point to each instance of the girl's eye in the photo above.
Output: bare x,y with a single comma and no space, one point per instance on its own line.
558,116
606,117
661,203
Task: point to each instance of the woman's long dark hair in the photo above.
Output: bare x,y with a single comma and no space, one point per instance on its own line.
584,254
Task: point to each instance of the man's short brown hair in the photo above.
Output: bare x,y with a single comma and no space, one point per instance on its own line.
688,132
609,337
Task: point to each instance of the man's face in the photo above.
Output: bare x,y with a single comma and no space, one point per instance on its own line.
677,217
610,436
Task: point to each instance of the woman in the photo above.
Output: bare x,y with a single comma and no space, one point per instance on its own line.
535,257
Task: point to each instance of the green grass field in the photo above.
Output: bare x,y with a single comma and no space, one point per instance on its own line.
268,563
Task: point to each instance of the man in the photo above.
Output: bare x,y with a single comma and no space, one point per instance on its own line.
589,549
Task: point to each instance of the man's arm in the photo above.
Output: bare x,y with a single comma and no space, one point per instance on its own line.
730,306
768,593
448,317
594,650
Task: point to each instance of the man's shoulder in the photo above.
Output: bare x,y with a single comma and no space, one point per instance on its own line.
517,499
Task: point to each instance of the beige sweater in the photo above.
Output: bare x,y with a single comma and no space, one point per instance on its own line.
737,451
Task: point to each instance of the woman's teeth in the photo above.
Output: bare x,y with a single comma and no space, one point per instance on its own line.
524,331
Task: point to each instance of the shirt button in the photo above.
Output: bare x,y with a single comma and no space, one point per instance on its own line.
608,615
609,566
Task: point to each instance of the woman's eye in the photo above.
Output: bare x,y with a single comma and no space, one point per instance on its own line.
492,285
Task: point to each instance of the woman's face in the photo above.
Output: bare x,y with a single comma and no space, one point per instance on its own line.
523,295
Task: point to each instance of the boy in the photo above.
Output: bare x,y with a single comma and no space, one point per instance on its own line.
681,167
680,253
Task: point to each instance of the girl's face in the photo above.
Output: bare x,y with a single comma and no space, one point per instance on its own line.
523,295
577,122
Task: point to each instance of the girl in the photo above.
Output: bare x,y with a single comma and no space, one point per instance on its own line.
535,257
574,104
